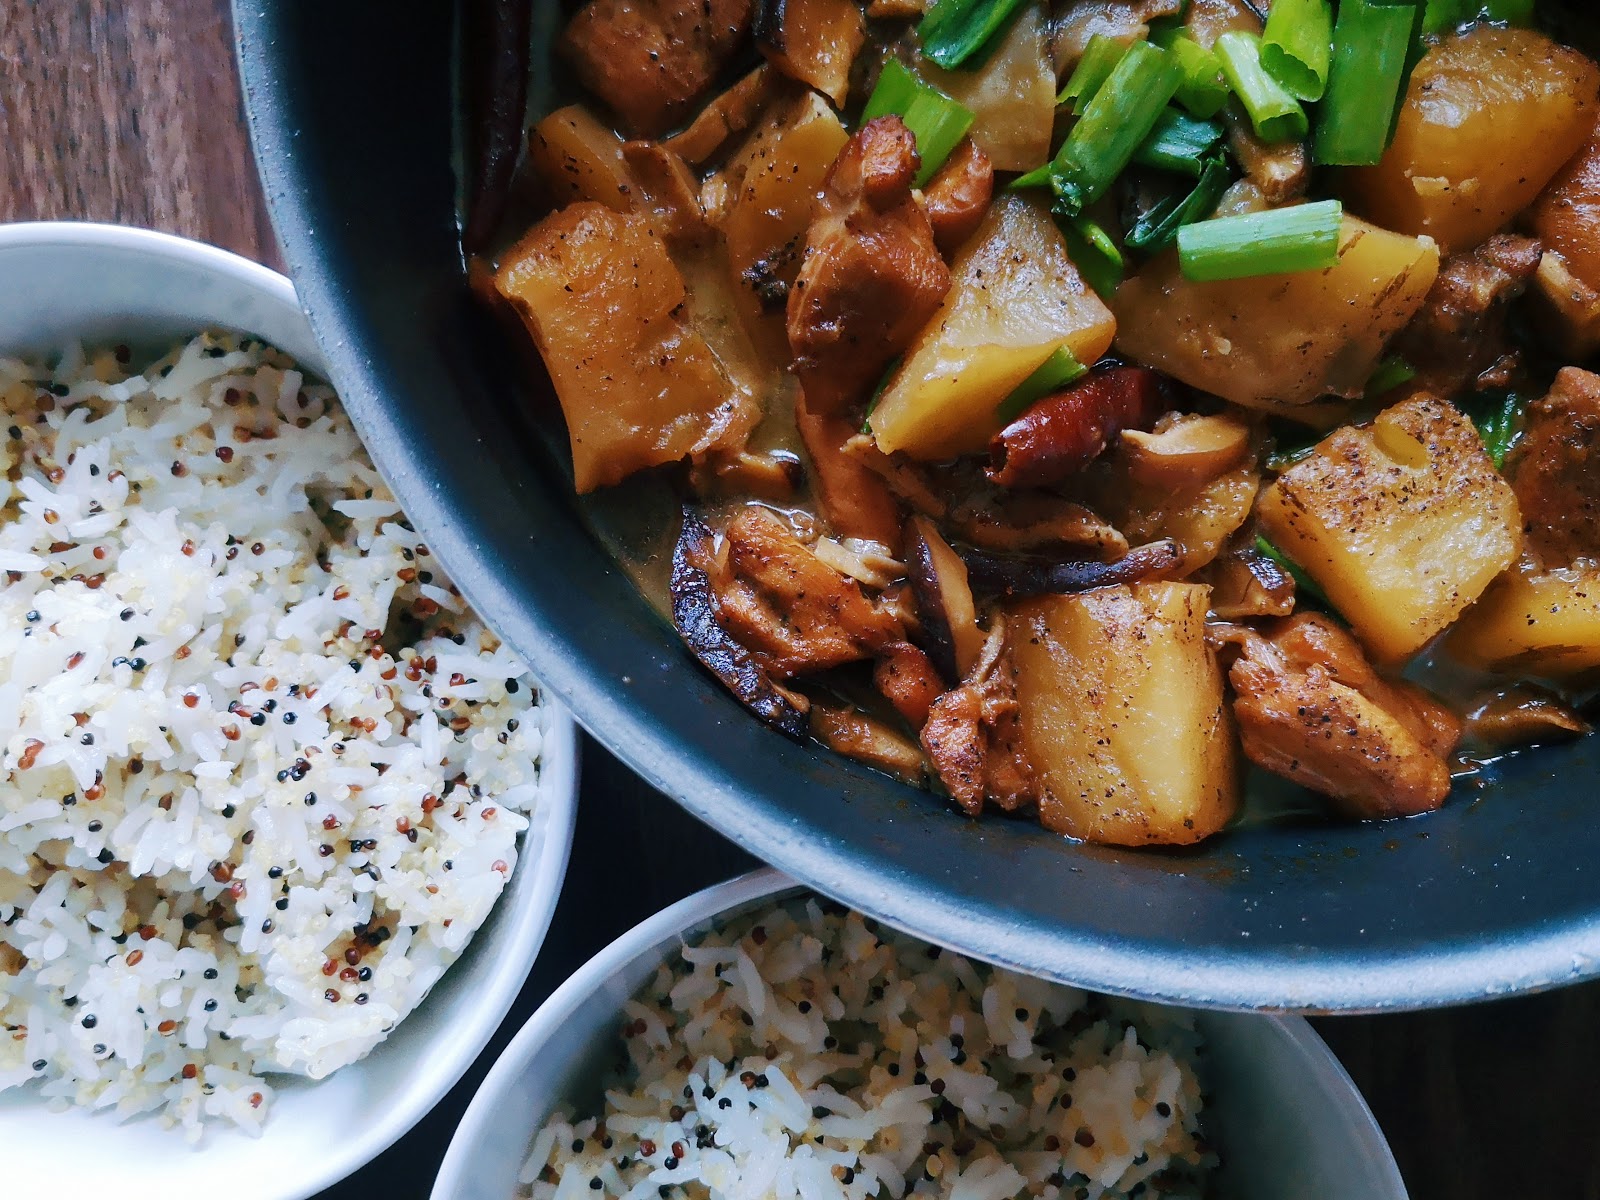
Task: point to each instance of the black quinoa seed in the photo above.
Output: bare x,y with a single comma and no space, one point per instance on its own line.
39,1064
90,1021
210,1006
1163,1109
209,973
258,719
274,872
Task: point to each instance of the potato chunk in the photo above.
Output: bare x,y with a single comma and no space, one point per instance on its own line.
814,41
1403,522
1123,716
1279,341
575,157
1015,298
1012,96
639,387
774,181
1490,115
1533,622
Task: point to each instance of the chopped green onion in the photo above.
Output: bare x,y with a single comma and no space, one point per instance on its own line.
1302,581
1304,237
1498,417
1038,177
1274,113
1390,374
1060,369
937,122
1178,143
1116,122
1441,16
1158,228
1297,45
1100,58
1203,90
1095,253
1291,448
1512,12
1371,48
956,31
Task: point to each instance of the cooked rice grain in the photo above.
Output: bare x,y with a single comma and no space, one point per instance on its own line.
804,1054
265,772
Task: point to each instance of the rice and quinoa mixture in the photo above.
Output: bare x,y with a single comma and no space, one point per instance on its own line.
806,1053
264,771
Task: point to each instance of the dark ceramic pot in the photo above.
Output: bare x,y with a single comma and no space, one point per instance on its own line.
1498,893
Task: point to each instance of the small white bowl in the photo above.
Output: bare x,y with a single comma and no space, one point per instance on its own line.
1285,1116
102,283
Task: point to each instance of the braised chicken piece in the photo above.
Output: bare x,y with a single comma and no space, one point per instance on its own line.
1279,170
1312,709
872,275
1459,337
974,736
957,197
796,613
652,60
1555,471
906,677
855,499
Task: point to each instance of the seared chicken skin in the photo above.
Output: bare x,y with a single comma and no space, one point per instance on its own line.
974,737
872,275
1311,708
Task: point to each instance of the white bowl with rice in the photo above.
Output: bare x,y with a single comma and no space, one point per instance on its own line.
271,790
706,1041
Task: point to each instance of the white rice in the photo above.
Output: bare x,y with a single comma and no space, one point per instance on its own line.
803,1054
265,772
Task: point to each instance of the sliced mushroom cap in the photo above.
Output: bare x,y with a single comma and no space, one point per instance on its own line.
1186,450
1247,584
1046,577
1522,716
694,613
854,734
945,607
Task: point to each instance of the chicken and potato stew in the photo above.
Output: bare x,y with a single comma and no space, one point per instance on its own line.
1073,407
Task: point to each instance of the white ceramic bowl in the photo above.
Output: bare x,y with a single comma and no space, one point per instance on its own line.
1286,1117
105,283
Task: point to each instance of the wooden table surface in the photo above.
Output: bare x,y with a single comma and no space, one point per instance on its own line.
130,112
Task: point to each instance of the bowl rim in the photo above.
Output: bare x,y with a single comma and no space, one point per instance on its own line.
1363,974
711,904
520,930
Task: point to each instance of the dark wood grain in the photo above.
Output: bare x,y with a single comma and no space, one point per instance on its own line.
130,112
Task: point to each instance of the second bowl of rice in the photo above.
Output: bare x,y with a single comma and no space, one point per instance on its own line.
283,823
755,1042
